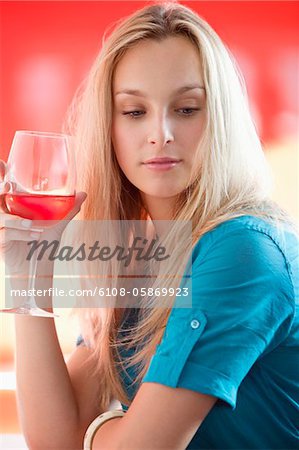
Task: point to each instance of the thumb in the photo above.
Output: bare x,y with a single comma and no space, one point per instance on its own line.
79,200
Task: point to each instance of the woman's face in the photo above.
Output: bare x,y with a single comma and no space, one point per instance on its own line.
158,112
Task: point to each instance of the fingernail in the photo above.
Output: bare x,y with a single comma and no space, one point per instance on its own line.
26,223
38,230
34,235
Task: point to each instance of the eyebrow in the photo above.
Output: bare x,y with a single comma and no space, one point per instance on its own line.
180,90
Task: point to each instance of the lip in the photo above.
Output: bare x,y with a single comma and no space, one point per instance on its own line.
162,164
162,160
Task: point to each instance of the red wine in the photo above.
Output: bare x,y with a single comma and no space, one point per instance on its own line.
39,207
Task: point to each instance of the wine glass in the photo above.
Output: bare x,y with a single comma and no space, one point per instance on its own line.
41,171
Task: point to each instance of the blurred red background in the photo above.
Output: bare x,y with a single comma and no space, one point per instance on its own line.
47,48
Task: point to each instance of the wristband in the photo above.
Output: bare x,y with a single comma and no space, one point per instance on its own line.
96,424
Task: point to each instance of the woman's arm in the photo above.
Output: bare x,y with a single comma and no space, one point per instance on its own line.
160,417
56,402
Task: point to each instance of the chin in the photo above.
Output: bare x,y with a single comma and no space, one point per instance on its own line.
162,193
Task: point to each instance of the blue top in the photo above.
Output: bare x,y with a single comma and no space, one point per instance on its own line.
239,341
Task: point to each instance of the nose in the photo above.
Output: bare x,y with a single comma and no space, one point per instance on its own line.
160,132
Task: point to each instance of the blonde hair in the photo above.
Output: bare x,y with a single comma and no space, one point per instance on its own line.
231,178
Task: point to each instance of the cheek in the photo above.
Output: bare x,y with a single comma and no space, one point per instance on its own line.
120,132
128,135
188,137
123,146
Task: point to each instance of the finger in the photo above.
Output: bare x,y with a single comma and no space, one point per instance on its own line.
4,189
2,169
9,235
3,204
79,200
10,221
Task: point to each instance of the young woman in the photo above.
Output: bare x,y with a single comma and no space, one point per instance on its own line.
222,373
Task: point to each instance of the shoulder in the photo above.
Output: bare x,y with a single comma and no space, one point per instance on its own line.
251,246
254,228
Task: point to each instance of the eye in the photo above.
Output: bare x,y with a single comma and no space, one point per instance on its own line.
187,111
134,114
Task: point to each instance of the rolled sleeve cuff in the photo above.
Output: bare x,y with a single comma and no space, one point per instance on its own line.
194,377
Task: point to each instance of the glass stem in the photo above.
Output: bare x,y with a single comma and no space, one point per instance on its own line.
30,300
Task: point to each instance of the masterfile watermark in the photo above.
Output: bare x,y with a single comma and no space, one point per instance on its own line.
103,264
97,252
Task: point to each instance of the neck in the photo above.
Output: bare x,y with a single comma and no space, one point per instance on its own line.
159,208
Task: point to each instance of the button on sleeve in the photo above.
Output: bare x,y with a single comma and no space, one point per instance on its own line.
183,331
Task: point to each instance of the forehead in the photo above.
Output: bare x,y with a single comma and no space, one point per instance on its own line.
153,64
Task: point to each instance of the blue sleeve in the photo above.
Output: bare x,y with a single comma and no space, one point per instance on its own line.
242,307
80,341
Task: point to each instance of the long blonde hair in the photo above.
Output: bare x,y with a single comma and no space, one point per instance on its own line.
231,178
